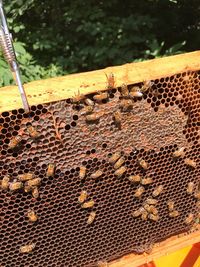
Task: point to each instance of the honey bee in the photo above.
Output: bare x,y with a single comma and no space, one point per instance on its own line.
179,153
96,174
138,212
83,196
157,191
32,216
110,81
126,105
14,186
89,102
153,210
146,86
92,117
82,172
117,118
91,217
153,217
25,176
5,182
102,264
174,213
135,92
197,194
124,90
33,132
139,191
190,163
35,192
101,96
114,157
189,218
33,182
190,188
87,110
14,142
119,163
88,204
120,171
170,205
134,178
77,98
151,201
27,248
146,181
143,164
144,216
27,188
147,208
51,169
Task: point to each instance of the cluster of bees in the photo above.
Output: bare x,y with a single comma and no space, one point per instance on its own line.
135,92
148,209
88,104
87,204
126,100
83,197
180,153
29,183
16,140
118,160
175,213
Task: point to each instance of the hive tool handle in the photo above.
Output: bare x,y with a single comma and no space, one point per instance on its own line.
6,45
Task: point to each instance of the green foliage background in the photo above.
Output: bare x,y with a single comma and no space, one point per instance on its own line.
59,37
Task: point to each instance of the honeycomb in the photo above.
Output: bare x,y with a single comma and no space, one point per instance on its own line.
162,121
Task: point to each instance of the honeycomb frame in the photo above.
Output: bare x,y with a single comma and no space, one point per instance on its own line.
165,118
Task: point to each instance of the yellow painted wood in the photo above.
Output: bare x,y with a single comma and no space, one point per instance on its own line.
175,259
58,88
164,248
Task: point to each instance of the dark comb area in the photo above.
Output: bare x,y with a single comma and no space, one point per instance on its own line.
149,128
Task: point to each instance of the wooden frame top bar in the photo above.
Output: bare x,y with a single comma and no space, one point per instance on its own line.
54,89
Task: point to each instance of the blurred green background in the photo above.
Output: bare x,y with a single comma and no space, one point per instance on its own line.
59,37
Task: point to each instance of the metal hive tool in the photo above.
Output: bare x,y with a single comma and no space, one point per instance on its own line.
165,119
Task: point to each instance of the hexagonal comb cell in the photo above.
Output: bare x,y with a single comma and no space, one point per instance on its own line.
103,175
